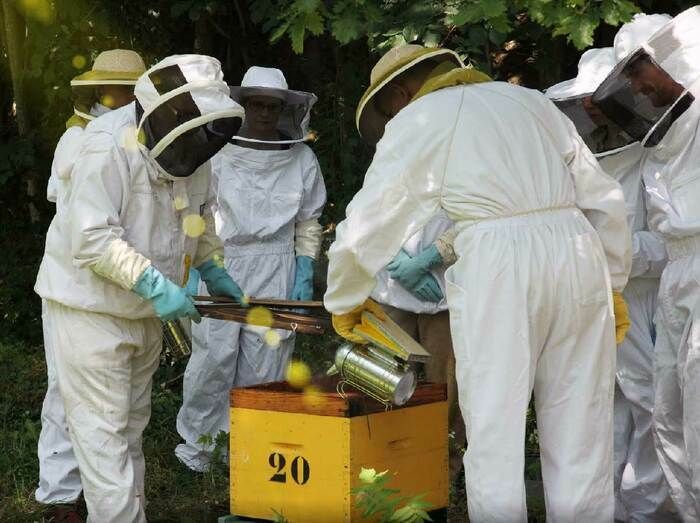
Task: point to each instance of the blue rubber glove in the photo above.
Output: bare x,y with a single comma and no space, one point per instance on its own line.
410,271
304,279
219,283
169,300
192,286
428,289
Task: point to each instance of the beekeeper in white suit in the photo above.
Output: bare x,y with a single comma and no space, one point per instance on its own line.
653,95
641,492
269,195
137,219
542,242
108,85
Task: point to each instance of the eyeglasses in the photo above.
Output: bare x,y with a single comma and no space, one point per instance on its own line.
257,106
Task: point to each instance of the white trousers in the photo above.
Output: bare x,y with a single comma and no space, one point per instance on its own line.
216,366
641,492
59,478
105,368
227,354
677,377
530,309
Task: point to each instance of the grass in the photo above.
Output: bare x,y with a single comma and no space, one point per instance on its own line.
174,493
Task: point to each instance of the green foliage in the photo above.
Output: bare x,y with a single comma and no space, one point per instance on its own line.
385,23
21,243
493,12
533,468
381,503
17,156
297,18
218,445
579,19
279,517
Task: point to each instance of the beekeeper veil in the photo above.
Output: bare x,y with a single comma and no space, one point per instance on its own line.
295,114
657,82
573,98
185,112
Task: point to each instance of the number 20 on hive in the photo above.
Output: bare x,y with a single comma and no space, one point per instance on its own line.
299,468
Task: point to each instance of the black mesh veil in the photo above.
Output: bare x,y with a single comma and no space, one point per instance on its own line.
190,138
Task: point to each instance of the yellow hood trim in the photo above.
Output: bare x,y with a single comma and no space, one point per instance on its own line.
446,75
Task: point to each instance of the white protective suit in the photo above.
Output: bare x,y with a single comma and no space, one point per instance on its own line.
640,487
672,182
641,492
390,292
541,239
123,213
673,189
59,479
267,207
67,149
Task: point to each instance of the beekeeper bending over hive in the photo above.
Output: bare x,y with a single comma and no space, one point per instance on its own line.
543,252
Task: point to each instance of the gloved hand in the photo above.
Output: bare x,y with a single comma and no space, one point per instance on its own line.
168,299
428,289
411,271
304,279
192,286
622,319
344,323
219,283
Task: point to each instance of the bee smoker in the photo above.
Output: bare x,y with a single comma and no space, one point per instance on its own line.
376,373
176,338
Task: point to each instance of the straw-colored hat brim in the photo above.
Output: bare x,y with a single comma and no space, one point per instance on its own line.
106,78
370,122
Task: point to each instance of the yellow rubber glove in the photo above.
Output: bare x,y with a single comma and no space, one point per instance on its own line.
622,318
344,323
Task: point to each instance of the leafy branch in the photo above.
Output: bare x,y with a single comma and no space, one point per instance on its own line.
377,500
430,22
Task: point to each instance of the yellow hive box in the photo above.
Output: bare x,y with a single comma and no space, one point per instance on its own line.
302,459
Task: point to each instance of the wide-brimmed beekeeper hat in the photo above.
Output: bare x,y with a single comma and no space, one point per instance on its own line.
637,31
370,122
600,134
668,58
113,67
293,122
593,66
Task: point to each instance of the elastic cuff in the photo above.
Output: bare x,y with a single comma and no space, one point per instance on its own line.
307,238
445,246
121,264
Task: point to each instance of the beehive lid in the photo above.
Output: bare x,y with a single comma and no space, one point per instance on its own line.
282,397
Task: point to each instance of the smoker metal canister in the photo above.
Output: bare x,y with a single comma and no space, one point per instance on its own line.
374,374
176,338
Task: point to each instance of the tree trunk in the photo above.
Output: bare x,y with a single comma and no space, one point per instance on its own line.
15,34
14,30
5,86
